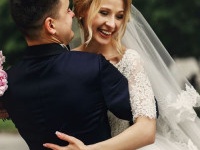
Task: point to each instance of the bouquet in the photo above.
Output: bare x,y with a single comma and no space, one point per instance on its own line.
3,86
3,76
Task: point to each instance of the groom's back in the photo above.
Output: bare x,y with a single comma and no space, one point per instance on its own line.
64,91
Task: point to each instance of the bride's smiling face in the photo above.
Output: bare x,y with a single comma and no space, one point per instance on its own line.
107,21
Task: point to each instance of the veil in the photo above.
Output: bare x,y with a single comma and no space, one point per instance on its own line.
174,94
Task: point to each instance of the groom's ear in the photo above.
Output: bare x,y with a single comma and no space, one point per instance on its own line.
49,25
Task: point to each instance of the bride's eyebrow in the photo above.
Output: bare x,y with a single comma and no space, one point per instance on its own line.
107,8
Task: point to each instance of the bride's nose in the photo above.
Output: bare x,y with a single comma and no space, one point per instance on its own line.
71,13
111,22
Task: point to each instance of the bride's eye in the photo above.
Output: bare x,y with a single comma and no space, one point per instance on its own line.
119,17
103,12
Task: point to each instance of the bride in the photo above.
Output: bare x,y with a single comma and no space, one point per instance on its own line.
145,62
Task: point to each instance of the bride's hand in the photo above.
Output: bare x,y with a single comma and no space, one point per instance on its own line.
74,143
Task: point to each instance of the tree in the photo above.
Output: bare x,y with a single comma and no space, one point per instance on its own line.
11,40
176,23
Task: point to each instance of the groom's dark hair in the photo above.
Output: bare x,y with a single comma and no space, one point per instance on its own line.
29,15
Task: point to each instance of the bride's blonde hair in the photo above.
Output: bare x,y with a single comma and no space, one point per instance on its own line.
91,8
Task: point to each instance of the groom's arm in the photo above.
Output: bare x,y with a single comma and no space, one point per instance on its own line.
115,89
116,92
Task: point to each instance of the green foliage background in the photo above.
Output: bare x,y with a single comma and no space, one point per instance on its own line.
177,24
7,126
11,40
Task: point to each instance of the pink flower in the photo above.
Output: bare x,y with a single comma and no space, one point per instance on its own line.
3,82
3,76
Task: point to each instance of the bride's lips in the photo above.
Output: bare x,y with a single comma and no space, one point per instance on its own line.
105,33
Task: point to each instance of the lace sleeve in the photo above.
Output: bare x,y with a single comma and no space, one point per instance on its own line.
141,93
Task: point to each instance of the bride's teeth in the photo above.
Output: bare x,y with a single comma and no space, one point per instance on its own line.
106,32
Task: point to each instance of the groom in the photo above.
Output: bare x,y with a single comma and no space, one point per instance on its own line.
52,89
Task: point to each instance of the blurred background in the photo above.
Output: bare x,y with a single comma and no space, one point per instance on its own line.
176,23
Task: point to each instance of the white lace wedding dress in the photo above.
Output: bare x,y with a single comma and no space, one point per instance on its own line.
143,104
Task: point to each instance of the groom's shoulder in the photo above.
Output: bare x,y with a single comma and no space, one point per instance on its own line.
87,60
85,57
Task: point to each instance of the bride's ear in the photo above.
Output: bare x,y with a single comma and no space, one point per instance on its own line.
49,25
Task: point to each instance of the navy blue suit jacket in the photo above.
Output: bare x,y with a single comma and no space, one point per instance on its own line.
53,89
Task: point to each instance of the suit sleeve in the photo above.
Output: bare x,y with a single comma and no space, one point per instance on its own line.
115,89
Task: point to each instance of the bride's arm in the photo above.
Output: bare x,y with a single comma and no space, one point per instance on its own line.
134,137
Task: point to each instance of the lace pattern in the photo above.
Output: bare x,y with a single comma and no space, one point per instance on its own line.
141,94
174,109
173,114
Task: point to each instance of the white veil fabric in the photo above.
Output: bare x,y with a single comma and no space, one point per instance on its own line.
174,94
176,97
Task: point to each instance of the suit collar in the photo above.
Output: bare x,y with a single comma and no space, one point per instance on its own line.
43,50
